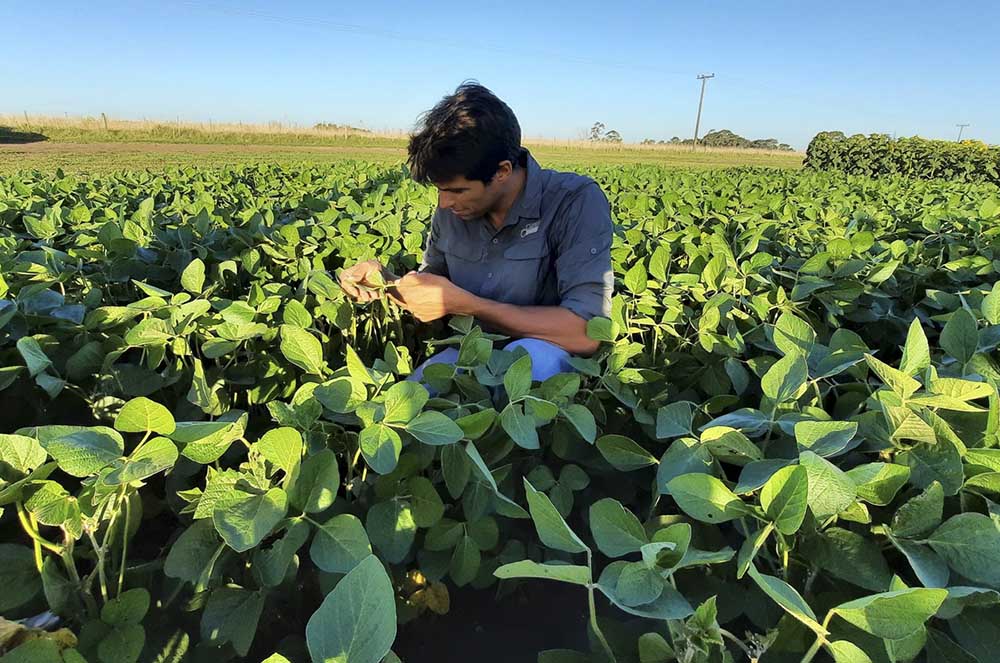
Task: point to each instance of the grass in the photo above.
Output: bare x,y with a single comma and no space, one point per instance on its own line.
103,144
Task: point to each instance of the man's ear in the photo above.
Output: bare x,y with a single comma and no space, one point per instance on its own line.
504,169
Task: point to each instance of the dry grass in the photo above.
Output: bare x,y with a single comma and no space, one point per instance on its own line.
99,144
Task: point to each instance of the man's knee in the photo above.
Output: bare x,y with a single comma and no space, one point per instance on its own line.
547,359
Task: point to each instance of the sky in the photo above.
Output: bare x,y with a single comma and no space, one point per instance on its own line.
782,69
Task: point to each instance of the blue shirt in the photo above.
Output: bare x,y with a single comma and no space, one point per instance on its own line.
554,248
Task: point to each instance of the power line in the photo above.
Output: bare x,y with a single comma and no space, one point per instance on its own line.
697,124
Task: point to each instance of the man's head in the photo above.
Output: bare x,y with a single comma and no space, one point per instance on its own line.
467,146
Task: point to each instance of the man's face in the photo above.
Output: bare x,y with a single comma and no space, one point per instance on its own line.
471,199
468,199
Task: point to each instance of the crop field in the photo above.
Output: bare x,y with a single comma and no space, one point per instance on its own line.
787,448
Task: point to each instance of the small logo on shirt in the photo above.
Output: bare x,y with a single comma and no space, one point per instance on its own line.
529,229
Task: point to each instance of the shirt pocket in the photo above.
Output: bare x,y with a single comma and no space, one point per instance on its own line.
526,266
465,264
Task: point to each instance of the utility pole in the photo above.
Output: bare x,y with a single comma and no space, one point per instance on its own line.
701,100
960,127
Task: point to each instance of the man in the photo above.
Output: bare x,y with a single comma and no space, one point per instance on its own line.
526,251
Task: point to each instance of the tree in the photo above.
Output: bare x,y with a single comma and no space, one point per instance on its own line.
612,137
597,131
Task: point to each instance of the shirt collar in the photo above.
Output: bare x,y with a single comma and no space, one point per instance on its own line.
528,203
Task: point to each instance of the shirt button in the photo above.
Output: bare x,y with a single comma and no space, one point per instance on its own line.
496,241
593,252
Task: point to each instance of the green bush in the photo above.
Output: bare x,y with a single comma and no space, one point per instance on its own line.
788,443
878,155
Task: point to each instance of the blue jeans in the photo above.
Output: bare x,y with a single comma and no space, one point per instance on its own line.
547,359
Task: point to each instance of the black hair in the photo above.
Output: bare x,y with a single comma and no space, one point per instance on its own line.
468,133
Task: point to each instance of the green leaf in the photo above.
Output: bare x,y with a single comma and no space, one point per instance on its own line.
85,452
939,462
824,438
340,544
878,483
142,415
793,335
341,395
517,379
991,305
302,349
730,445
602,329
282,447
391,529
582,420
296,314
231,615
192,556
786,379
635,279
18,576
638,585
653,648
34,357
576,575
205,441
785,596
920,514
129,607
706,498
193,276
403,401
785,498
244,525
21,453
830,489
684,456
674,420
916,352
844,651
356,368
616,530
970,543
122,645
465,561
425,501
457,469
848,556
434,428
157,455
315,482
519,426
960,336
900,383
623,454
381,447
356,623
475,425
669,605
892,615
552,529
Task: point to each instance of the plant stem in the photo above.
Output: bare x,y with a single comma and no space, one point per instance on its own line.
121,571
592,605
820,640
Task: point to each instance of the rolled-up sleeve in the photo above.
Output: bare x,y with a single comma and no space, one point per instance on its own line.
583,264
434,259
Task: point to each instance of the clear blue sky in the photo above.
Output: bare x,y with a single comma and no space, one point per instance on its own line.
783,69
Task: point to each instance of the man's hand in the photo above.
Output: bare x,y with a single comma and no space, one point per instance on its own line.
429,296
358,281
